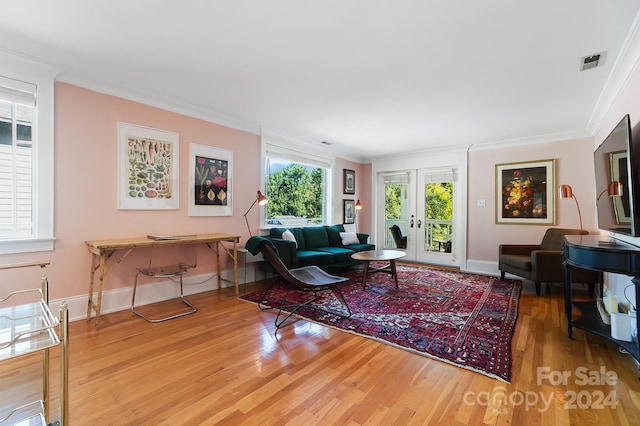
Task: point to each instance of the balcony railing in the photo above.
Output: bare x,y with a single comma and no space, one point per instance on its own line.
437,235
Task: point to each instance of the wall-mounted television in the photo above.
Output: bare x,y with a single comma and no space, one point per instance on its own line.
615,161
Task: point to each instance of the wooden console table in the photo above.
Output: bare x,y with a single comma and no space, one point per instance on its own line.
598,253
102,250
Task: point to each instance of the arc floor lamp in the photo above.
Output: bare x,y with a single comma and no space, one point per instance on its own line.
261,200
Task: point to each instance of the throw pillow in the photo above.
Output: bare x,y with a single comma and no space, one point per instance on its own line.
349,238
288,235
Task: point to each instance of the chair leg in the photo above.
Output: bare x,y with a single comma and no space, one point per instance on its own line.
291,309
192,309
501,275
537,288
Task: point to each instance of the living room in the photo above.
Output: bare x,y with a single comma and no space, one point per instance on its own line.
86,171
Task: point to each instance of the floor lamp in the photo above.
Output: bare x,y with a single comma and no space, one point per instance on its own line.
261,200
565,191
358,207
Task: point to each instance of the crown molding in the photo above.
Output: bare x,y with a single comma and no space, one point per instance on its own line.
167,104
623,68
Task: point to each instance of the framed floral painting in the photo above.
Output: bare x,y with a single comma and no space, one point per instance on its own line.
147,168
210,181
525,193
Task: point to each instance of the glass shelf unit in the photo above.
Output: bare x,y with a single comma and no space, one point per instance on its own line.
31,327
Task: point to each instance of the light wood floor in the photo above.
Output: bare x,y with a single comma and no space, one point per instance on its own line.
225,365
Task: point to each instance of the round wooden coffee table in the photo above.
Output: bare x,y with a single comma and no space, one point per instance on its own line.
379,256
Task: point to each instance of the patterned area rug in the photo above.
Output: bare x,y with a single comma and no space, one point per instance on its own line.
460,318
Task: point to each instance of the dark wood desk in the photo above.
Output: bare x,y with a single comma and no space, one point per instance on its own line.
599,253
102,250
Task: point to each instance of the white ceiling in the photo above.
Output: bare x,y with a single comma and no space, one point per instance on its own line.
372,77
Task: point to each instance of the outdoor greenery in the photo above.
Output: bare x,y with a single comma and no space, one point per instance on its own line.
295,190
438,207
393,205
439,201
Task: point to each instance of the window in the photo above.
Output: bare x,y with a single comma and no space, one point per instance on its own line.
297,187
16,163
26,157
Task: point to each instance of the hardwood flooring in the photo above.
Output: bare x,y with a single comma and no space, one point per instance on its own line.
226,365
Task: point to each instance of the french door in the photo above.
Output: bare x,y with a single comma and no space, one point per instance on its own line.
423,204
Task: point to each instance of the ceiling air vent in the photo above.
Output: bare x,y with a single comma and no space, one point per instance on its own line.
592,61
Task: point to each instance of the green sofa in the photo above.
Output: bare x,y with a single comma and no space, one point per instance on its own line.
318,245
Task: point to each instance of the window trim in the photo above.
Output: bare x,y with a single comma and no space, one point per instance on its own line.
273,144
42,76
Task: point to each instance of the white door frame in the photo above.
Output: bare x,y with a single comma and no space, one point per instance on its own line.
452,158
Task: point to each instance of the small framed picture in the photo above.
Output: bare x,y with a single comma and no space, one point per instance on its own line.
349,181
348,211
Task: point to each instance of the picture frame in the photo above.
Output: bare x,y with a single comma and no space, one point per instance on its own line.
525,193
210,181
348,211
348,181
620,173
148,161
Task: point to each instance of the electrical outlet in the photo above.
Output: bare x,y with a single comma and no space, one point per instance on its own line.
481,203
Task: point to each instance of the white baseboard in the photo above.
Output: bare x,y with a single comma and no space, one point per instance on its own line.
148,292
484,267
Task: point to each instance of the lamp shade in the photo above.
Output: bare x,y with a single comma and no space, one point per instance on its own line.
358,205
615,189
262,200
565,191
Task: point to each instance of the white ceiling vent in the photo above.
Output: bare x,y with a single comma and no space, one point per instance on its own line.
592,61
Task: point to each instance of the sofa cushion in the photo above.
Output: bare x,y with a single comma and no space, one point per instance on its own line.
340,254
297,234
288,235
349,238
313,257
314,237
360,247
333,232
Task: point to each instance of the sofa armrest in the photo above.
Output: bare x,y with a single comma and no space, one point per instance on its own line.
286,251
517,249
363,238
546,266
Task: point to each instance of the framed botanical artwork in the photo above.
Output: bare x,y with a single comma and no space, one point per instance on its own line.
525,193
348,211
348,181
210,181
147,168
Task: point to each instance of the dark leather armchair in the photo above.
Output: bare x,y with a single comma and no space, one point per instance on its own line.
400,240
542,263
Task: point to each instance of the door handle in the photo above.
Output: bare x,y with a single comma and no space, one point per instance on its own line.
419,223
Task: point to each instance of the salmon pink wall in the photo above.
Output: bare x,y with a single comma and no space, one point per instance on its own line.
363,193
573,166
86,126
85,185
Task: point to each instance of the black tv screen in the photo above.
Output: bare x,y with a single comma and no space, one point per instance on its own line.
614,161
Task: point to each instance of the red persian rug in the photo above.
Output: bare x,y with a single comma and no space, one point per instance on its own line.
463,319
